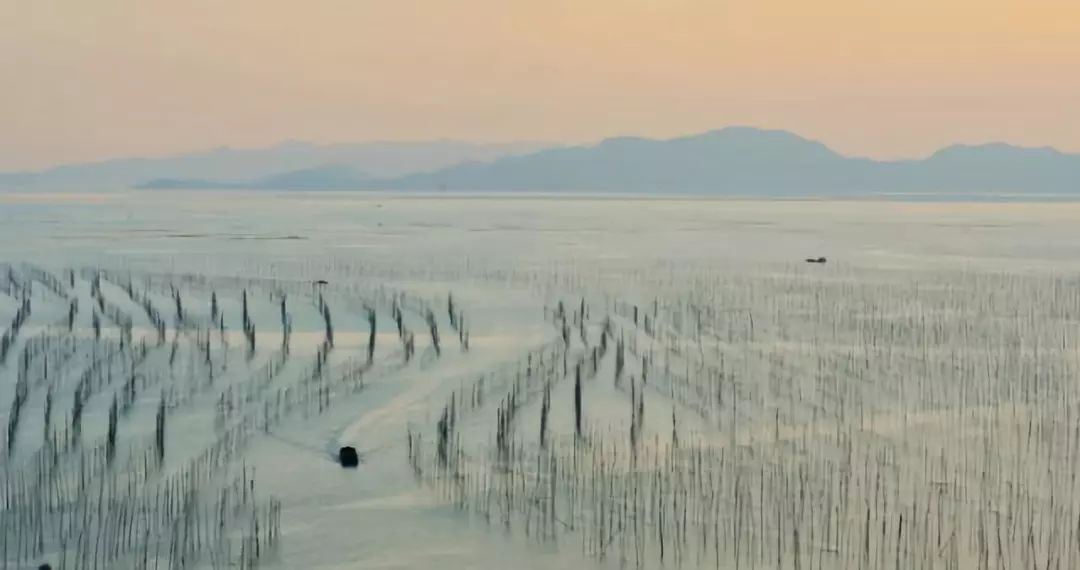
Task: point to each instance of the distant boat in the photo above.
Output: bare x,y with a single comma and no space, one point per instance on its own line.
815,260
325,282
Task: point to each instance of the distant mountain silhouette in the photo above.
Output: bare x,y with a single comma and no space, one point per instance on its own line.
242,166
753,162
327,177
736,161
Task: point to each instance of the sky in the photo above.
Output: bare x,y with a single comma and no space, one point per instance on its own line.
90,80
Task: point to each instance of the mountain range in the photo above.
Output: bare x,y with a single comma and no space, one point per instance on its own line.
735,161
308,163
752,162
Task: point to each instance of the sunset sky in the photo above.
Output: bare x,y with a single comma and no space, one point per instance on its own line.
94,79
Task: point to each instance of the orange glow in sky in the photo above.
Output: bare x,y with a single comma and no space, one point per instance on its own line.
95,79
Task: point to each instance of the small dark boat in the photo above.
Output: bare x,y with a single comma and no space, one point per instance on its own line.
348,457
815,260
322,282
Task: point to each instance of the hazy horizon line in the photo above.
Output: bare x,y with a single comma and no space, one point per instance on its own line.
541,145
